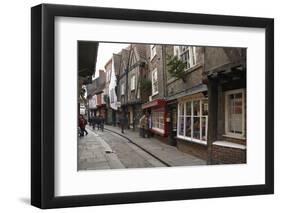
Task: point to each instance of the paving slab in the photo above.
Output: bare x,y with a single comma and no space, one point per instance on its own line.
95,154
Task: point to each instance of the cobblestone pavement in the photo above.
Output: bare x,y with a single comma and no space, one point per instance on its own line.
168,154
95,153
112,150
130,155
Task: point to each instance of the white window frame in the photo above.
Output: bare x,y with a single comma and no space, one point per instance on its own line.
177,51
156,121
152,51
231,134
133,82
192,60
179,117
154,92
123,89
204,142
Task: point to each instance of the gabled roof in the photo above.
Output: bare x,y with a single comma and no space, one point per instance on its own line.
96,87
140,50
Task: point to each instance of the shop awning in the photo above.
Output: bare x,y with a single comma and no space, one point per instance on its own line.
154,103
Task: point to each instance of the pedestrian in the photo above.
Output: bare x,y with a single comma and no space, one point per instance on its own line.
82,125
98,121
122,121
148,124
101,121
94,121
142,124
90,120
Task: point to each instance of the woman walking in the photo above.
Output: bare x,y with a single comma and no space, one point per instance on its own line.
82,125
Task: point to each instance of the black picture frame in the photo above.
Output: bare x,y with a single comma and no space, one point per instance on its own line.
43,102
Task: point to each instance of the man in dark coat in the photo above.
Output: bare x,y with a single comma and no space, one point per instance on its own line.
98,121
94,121
122,121
101,122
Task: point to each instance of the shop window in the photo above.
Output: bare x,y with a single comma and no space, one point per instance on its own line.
158,121
234,113
193,120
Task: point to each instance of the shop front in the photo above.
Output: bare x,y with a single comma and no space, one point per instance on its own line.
158,115
192,125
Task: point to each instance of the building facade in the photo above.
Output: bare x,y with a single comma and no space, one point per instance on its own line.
178,104
187,101
225,76
132,74
196,97
156,104
95,96
110,114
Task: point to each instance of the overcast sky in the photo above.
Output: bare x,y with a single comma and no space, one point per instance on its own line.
105,52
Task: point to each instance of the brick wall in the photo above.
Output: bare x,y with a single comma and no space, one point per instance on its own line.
193,75
227,155
156,62
160,137
198,150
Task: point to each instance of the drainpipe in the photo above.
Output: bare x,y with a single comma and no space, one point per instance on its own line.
164,71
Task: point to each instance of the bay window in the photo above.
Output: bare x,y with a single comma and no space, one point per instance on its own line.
193,120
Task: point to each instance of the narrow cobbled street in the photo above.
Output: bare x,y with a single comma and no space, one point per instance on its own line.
109,149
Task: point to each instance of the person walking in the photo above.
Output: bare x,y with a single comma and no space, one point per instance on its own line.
82,125
122,121
142,124
94,120
148,124
101,120
90,120
98,121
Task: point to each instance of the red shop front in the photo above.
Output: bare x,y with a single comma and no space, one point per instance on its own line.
157,108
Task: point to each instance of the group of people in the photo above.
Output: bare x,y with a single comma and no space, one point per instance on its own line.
145,124
94,121
97,121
